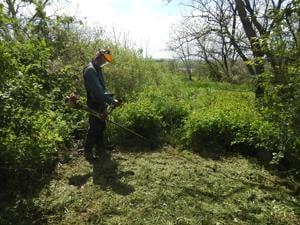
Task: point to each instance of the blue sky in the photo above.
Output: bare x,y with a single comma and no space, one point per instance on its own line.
147,22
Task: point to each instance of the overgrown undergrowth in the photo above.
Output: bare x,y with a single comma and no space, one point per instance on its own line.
199,115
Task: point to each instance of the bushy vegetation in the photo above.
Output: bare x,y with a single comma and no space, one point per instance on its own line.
229,119
143,119
41,60
30,128
280,105
154,113
199,116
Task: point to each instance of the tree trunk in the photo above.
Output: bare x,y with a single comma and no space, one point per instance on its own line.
256,47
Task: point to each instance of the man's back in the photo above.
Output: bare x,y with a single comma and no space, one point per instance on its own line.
95,88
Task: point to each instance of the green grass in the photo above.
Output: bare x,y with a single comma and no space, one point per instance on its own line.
163,187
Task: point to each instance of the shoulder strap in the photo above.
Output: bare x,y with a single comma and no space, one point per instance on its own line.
101,79
86,66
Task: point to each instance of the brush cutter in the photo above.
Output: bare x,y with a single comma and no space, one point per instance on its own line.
73,101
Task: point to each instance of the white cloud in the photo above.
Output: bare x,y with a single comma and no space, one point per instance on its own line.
148,21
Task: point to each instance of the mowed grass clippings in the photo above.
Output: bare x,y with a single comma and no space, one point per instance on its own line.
167,187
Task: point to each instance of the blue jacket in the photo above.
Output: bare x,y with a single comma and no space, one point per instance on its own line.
94,83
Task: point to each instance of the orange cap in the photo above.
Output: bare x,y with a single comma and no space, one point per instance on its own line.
106,53
108,57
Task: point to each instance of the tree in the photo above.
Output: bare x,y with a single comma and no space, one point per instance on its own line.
20,16
205,28
281,103
180,45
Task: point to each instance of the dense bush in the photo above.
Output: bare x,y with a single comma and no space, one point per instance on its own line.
156,113
129,72
201,118
171,109
281,106
41,63
142,118
280,103
30,129
230,120
33,140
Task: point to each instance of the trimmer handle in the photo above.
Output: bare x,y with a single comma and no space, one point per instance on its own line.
72,100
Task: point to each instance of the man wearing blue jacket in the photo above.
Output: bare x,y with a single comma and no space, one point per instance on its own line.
97,99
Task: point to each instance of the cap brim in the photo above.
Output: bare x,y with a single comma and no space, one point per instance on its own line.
108,57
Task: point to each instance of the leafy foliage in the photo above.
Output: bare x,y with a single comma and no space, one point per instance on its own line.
230,120
281,102
154,114
142,118
41,60
199,116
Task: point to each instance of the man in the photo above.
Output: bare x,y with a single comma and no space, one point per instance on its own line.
97,99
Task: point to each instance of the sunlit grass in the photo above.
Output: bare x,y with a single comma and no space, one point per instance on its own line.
166,187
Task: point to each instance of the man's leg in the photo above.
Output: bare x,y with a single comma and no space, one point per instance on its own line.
100,148
91,137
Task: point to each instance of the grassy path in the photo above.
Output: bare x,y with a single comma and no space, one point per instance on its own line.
167,187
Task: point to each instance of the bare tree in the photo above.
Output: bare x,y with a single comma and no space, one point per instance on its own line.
181,46
120,37
244,28
206,28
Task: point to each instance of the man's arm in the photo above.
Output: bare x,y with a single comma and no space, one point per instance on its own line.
95,88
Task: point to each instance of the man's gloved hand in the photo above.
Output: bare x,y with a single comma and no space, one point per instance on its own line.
116,103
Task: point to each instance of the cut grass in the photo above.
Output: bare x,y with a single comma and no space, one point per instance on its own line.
165,187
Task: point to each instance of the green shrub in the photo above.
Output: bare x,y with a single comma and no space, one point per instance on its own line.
141,117
231,119
34,125
171,109
155,114
33,140
281,106
130,72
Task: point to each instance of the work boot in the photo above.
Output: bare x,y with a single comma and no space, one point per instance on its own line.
102,154
89,156
88,148
105,155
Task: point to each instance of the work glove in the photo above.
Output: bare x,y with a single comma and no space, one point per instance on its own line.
115,103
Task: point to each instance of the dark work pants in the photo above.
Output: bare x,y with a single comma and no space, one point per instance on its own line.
95,136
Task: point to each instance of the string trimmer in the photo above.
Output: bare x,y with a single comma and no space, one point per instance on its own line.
73,101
